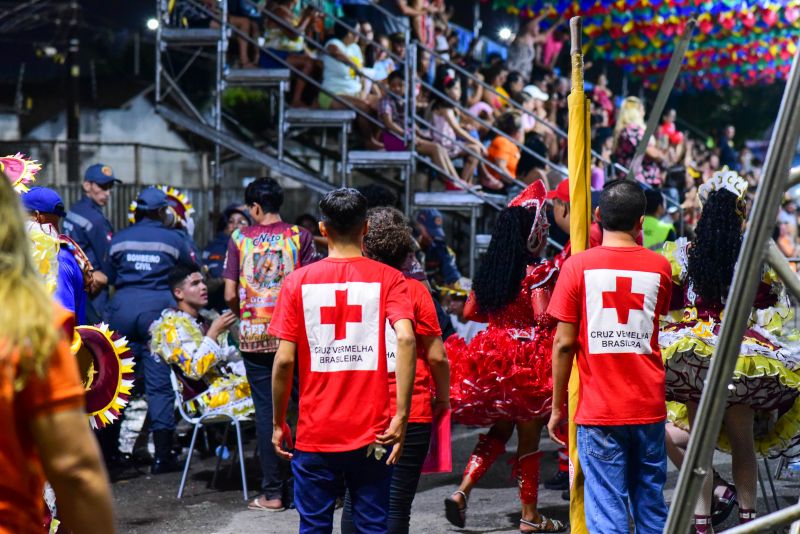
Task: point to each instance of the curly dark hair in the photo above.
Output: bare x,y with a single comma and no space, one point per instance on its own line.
503,266
388,238
715,248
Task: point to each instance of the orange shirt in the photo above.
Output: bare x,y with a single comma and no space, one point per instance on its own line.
21,475
502,148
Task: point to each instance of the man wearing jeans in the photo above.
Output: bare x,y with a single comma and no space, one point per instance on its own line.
332,319
608,300
259,258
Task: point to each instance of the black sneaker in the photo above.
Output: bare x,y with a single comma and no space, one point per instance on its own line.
165,465
559,482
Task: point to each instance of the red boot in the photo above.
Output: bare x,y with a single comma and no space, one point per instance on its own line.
528,477
483,456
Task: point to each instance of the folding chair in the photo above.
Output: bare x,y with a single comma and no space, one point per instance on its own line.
186,391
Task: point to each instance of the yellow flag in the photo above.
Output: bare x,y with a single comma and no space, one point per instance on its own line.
580,200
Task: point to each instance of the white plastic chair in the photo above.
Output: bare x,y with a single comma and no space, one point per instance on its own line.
219,416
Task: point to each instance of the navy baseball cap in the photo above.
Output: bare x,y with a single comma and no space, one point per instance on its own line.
151,198
100,174
43,200
237,208
431,219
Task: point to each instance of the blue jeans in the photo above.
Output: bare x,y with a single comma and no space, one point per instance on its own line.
319,478
625,468
274,471
405,477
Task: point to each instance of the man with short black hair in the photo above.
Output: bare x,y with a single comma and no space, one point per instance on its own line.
608,301
331,320
259,258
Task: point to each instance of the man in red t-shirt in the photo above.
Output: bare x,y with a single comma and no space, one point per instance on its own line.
608,300
331,318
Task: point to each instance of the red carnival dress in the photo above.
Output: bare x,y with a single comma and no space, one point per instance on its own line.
505,371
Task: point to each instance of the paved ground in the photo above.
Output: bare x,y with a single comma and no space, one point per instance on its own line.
147,505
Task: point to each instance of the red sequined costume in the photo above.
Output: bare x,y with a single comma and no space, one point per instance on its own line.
505,371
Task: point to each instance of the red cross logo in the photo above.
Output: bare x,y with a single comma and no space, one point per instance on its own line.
623,299
340,314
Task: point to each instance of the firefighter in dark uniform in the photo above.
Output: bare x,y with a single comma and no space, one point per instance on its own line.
141,257
86,224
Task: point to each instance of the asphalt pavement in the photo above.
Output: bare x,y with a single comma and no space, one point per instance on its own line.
147,504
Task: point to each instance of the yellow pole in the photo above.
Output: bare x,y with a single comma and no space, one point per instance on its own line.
579,164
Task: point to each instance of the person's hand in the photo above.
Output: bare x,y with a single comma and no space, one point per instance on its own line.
282,435
440,407
393,436
98,282
553,424
220,324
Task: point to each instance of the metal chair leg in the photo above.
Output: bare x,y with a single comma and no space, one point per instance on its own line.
241,457
188,459
771,484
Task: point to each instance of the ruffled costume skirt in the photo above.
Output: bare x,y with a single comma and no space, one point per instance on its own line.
503,374
766,379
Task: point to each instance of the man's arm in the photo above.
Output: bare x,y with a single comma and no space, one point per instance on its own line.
282,372
440,371
71,462
563,354
404,375
232,295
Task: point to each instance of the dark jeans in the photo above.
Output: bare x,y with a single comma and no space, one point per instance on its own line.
319,477
275,472
625,468
405,478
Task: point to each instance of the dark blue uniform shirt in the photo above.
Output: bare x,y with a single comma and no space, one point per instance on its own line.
142,256
214,254
89,228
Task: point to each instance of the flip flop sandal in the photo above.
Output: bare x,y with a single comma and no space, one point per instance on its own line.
255,504
723,506
454,512
545,525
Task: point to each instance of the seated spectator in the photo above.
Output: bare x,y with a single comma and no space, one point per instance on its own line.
390,111
495,77
285,39
447,129
442,44
627,134
453,300
542,139
206,13
503,152
655,230
341,76
198,347
234,217
513,85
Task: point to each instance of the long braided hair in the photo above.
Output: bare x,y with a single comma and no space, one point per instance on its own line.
503,266
715,248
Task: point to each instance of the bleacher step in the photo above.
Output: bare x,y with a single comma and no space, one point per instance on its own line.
378,158
318,117
190,36
256,77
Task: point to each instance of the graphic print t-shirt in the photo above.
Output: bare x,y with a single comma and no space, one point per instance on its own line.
259,258
336,311
426,323
616,296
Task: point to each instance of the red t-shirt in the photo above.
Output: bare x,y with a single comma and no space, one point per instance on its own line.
336,311
426,323
616,296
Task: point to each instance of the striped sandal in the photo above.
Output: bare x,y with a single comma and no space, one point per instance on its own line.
545,525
